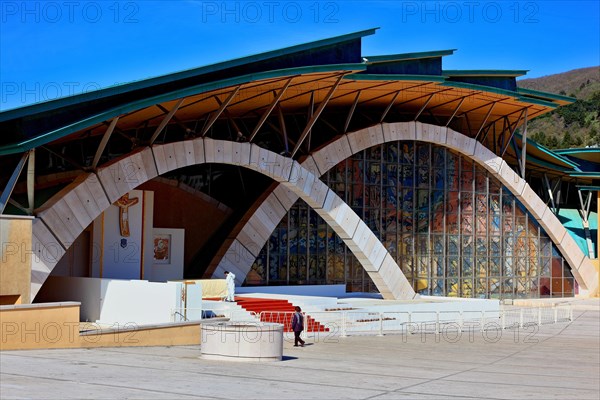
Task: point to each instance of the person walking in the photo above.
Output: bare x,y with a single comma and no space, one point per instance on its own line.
230,282
298,326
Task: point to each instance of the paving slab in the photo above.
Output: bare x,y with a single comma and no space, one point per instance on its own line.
555,361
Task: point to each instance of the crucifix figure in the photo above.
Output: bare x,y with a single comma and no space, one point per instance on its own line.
124,203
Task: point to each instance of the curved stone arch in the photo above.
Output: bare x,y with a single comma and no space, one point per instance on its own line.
281,200
64,217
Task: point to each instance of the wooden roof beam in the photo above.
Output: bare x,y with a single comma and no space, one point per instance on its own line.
316,115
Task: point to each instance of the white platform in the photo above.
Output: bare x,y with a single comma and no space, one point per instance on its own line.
244,341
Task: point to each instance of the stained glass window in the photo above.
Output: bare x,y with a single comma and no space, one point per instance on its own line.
453,228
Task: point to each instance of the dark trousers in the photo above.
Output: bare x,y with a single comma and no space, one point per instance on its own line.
297,338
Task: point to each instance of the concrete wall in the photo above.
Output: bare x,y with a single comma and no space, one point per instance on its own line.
180,334
113,301
77,259
15,259
39,326
86,291
56,326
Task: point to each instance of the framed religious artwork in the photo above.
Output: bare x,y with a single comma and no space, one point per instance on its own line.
162,248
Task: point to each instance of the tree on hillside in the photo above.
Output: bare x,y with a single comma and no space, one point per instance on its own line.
574,125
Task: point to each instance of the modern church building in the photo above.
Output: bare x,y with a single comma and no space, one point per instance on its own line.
310,165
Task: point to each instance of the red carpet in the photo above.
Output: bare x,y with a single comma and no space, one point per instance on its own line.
278,311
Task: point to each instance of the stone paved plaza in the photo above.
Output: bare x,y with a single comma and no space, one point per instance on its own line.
559,361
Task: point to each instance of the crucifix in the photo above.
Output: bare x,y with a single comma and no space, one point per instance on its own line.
124,203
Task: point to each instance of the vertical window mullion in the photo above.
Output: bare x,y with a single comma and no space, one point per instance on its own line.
444,227
460,229
415,261
430,254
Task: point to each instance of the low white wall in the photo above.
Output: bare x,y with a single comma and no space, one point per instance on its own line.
441,304
123,302
86,291
301,290
138,302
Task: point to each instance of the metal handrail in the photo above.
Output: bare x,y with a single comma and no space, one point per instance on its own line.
344,323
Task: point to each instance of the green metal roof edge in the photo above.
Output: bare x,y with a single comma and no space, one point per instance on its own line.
548,152
538,93
547,164
485,72
441,79
533,159
194,90
409,56
578,151
148,82
473,86
539,102
394,77
582,174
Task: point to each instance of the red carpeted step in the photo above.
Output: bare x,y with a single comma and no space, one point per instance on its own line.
277,311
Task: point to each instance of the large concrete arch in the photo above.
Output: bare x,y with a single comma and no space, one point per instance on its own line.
64,217
243,249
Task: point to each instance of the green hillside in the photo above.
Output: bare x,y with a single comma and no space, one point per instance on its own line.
575,125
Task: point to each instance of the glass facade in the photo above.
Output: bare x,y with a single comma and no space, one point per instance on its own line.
453,229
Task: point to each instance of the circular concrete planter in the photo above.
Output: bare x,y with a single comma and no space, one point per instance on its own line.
242,341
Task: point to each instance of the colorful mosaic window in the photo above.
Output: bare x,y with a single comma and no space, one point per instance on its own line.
453,229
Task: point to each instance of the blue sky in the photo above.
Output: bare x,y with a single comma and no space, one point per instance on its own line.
50,49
